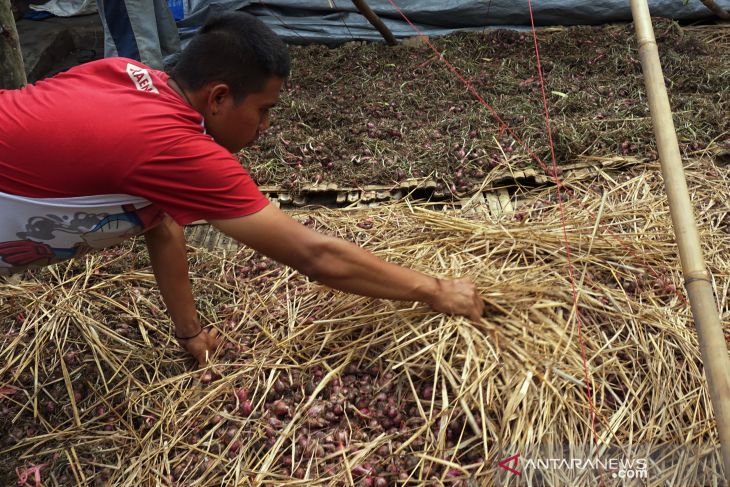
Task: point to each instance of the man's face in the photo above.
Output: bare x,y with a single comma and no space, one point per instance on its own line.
235,126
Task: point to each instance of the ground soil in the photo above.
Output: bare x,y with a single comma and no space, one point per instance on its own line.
371,114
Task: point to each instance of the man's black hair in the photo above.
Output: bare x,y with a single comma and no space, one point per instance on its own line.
233,48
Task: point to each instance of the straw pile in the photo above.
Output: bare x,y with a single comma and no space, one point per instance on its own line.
324,388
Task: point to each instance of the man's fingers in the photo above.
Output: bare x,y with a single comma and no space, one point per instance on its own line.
480,305
213,339
202,359
209,375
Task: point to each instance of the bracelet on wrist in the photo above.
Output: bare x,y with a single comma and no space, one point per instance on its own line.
192,336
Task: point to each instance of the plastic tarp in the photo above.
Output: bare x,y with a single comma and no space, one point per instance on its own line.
337,21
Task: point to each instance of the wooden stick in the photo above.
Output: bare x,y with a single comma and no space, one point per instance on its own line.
12,71
716,9
696,277
373,18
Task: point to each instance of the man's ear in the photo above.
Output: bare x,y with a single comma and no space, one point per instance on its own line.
217,95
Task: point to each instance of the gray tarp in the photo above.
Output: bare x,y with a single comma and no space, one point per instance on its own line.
336,21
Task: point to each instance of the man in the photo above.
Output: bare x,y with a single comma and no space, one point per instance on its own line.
112,149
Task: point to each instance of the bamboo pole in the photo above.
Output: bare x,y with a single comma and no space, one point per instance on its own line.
373,18
697,280
12,71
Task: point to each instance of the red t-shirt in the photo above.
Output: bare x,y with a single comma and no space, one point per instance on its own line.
105,139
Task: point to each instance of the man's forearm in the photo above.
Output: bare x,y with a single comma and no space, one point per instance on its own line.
347,267
166,246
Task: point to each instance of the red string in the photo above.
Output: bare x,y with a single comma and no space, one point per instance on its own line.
471,89
565,229
578,320
505,127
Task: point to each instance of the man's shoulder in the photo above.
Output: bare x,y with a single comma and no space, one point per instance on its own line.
115,70
113,63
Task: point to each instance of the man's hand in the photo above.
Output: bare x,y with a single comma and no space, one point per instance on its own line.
201,346
458,297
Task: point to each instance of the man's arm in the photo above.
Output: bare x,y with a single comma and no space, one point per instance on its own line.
345,266
166,246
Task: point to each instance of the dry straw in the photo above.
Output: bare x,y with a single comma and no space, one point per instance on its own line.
96,389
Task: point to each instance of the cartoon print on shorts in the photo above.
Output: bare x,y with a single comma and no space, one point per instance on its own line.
51,238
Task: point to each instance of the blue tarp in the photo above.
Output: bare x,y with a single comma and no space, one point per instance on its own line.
337,21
